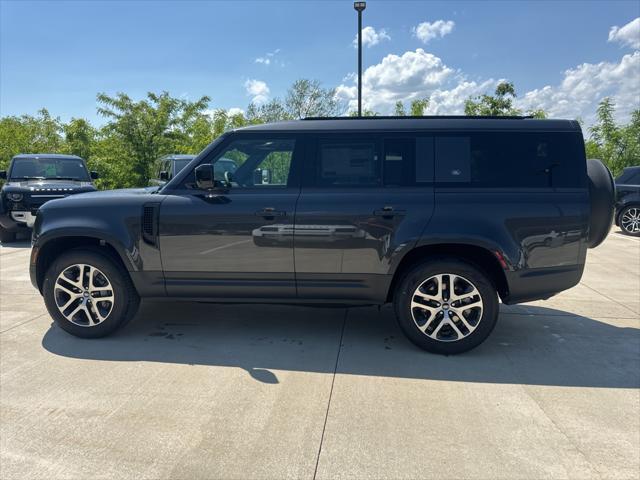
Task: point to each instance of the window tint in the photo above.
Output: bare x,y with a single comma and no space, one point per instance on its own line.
453,159
348,163
424,159
399,161
511,160
260,163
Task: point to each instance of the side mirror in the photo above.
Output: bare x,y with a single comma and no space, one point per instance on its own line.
94,175
204,176
164,176
3,174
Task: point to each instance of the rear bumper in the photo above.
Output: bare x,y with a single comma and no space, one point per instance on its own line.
528,285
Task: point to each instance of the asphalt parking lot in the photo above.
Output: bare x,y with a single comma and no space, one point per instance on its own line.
231,391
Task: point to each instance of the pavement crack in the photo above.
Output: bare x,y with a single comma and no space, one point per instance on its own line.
22,323
611,299
333,380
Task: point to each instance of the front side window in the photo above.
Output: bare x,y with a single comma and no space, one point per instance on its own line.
49,168
348,163
261,163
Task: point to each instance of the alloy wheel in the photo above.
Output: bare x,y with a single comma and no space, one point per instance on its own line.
446,307
630,220
84,295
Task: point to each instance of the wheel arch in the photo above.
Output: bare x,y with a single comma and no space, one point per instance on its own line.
52,249
480,257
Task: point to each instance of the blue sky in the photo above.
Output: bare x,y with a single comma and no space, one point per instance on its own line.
58,54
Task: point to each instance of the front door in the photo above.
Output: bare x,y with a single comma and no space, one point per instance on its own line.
235,241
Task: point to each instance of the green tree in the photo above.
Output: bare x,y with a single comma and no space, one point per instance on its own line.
149,128
501,103
618,146
41,133
79,137
417,108
307,98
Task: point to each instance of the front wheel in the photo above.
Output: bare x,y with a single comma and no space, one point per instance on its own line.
630,220
89,294
446,306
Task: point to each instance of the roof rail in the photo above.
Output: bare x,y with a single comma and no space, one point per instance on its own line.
412,117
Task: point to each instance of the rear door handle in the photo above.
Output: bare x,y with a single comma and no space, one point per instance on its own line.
389,212
270,213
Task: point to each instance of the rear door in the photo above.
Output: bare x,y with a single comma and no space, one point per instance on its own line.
361,207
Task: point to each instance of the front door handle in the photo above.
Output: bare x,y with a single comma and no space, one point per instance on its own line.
389,212
270,213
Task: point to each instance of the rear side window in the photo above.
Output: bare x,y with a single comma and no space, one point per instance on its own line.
399,161
348,163
503,160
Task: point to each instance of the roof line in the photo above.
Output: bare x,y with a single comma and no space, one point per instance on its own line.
413,117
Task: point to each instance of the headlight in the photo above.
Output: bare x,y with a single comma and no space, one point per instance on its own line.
15,197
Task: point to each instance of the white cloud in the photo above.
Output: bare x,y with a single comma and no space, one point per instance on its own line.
584,86
235,111
269,58
258,90
628,35
405,77
426,31
371,37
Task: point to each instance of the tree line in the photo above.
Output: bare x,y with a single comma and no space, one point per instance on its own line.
136,133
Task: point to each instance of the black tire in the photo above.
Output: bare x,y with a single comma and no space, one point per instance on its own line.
6,236
486,317
126,299
629,228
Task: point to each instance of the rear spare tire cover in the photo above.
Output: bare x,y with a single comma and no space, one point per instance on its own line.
602,195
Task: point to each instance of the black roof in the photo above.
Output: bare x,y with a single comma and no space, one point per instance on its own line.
417,123
46,155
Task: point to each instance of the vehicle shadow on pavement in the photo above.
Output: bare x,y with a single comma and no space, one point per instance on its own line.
532,346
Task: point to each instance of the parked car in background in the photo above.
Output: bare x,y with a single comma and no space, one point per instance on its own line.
628,201
32,180
441,216
168,166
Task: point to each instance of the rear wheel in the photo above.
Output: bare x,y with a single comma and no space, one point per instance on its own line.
89,294
6,236
446,306
630,220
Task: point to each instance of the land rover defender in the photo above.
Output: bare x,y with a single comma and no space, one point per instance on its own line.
441,216
32,180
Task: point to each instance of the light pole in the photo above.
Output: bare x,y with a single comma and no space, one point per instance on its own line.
359,6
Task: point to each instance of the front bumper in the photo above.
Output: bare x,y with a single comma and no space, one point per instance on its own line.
10,224
24,217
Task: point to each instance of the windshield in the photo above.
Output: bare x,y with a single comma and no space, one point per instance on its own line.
49,168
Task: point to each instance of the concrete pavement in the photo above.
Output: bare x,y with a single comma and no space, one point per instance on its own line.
229,391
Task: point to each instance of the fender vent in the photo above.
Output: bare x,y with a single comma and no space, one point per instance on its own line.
150,223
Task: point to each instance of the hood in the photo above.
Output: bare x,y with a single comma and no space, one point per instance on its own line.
104,199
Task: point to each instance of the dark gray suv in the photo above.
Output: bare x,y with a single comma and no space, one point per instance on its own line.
441,216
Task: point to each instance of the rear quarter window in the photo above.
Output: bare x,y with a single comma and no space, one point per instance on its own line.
511,159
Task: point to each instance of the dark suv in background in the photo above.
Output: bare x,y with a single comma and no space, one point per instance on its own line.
32,180
628,201
441,216
168,166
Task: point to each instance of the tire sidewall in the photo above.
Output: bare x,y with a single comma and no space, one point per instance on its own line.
114,274
422,272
